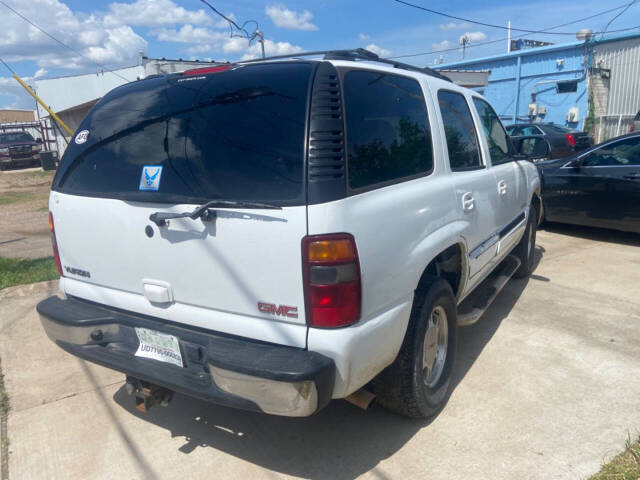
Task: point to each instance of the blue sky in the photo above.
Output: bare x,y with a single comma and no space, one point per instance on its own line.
112,33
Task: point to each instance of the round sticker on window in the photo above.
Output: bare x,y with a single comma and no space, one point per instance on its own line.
82,136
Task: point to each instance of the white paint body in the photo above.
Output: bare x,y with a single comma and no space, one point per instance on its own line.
212,275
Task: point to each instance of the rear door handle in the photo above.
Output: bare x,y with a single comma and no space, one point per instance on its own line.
502,188
468,202
632,176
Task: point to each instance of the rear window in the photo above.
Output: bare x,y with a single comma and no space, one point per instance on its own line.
14,137
560,129
460,131
236,134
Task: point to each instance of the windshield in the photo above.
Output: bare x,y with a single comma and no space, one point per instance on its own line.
237,134
15,137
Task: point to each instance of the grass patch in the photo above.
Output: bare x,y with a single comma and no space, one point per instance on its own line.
43,209
15,197
18,271
4,398
4,438
625,466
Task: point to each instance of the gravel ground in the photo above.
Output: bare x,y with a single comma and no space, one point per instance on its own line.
24,228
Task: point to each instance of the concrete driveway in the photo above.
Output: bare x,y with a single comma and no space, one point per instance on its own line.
546,387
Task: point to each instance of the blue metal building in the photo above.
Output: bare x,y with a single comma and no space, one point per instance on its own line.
601,75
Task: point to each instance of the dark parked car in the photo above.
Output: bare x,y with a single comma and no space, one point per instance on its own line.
18,149
635,124
599,187
563,141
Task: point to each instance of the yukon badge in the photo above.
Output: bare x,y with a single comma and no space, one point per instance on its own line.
278,310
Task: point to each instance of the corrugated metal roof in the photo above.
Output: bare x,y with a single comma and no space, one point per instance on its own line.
536,51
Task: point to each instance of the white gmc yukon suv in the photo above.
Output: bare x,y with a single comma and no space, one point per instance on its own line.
271,235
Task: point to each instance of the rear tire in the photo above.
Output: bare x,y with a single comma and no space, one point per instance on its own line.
525,250
417,384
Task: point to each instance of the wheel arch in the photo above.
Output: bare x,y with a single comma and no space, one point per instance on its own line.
450,264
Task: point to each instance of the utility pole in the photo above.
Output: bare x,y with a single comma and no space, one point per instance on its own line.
464,41
509,36
260,36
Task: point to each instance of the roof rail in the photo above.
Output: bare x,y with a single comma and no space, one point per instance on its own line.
355,54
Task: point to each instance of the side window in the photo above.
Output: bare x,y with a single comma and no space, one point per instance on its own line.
459,130
388,133
619,154
494,131
530,130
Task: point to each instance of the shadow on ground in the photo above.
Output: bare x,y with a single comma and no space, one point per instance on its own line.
594,233
339,442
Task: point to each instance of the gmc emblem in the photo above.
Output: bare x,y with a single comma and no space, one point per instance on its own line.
281,310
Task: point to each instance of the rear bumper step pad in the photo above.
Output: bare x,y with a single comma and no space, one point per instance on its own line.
226,370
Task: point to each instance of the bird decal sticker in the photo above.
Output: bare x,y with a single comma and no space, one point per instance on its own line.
151,178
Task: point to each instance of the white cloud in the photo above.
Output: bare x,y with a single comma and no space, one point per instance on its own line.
476,36
154,13
284,18
87,34
363,37
271,48
189,34
40,73
381,52
205,40
443,45
454,26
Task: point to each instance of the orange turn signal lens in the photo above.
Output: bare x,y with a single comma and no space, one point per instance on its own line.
50,222
332,251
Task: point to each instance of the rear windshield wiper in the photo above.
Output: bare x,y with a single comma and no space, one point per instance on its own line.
203,211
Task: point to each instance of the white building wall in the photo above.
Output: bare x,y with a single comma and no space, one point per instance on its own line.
623,59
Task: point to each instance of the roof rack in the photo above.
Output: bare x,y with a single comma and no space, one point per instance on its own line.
355,54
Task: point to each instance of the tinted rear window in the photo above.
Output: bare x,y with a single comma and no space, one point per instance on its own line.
237,134
560,129
459,130
14,137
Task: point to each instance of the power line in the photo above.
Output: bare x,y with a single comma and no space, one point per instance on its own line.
502,27
62,43
245,34
8,67
545,31
615,17
481,44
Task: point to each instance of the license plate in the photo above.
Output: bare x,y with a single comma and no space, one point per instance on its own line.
158,346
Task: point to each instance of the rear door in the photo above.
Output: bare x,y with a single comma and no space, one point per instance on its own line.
169,144
475,186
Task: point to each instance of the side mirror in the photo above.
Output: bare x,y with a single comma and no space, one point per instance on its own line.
533,148
39,140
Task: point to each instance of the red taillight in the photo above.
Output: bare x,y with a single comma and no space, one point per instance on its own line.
54,244
571,139
203,71
331,279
